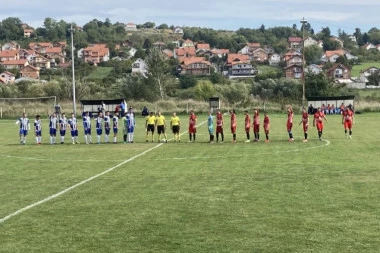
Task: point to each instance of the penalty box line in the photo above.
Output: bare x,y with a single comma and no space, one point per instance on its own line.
56,195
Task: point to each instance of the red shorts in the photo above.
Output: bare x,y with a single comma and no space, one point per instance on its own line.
348,124
247,129
219,129
256,128
192,129
266,130
289,126
305,127
233,129
319,126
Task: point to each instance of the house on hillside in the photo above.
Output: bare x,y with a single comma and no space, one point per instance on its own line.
249,48
314,68
178,30
41,62
368,46
274,60
188,43
94,53
239,65
294,60
332,55
295,43
293,71
130,27
364,74
28,32
341,42
340,73
10,46
259,55
30,72
309,41
202,48
7,77
27,54
15,64
195,66
9,55
139,67
182,52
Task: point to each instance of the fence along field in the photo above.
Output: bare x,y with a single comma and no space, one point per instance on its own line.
195,197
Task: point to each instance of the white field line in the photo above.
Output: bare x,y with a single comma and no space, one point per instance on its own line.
56,195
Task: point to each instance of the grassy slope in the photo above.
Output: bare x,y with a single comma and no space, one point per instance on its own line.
100,73
355,72
185,197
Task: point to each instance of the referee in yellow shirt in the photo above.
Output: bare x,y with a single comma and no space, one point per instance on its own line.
175,125
149,125
161,125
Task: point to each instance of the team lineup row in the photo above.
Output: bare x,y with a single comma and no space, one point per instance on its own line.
157,122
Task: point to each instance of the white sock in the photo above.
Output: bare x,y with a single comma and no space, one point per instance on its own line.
90,138
114,139
98,138
37,139
106,138
55,139
51,139
85,138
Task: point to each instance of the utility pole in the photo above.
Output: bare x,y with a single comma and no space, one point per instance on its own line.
72,66
303,22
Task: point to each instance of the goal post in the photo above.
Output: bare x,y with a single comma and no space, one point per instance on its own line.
14,107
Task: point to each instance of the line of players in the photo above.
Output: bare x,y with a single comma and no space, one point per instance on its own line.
158,122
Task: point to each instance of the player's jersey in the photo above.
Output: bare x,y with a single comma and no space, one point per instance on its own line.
290,117
305,118
73,124
256,119
192,120
53,123
347,115
175,121
318,116
233,120
266,121
219,119
99,123
107,121
63,123
86,122
24,123
160,120
115,121
150,120
37,125
130,119
247,121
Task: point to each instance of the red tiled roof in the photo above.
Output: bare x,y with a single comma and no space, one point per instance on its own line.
330,53
203,46
191,60
183,51
8,53
237,57
295,39
253,44
15,62
30,67
168,53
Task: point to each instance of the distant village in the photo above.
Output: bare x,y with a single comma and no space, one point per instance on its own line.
194,58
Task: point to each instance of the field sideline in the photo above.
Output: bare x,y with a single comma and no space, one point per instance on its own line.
319,196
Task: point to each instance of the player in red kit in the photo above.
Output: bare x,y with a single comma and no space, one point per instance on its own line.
289,123
266,126
319,116
247,125
192,126
219,126
305,123
256,125
348,121
233,124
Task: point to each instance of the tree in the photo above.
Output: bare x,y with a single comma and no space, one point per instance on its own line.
149,25
187,81
313,54
374,78
204,90
147,43
158,68
163,26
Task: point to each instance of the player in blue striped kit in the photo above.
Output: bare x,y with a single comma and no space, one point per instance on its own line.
38,129
87,128
115,121
24,127
53,123
62,127
129,126
107,126
73,124
99,126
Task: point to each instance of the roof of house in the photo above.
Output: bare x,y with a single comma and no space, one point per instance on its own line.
182,51
29,67
220,51
337,65
365,70
295,39
237,57
191,60
330,53
52,50
8,73
15,62
253,44
8,53
169,53
204,46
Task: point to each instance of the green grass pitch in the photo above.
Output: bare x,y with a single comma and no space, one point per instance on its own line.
319,196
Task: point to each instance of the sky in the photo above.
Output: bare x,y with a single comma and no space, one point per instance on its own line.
344,15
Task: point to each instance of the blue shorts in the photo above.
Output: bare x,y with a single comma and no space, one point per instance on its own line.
115,130
62,132
87,131
107,130
38,133
53,131
131,129
99,131
23,132
74,133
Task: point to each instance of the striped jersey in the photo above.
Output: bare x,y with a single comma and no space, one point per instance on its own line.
106,121
86,122
53,122
63,123
115,120
130,119
99,123
37,125
73,124
24,123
